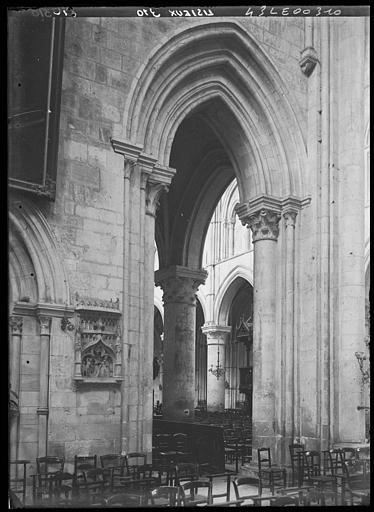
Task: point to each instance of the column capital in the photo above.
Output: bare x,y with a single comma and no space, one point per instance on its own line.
16,323
216,334
262,214
45,325
180,284
290,218
157,183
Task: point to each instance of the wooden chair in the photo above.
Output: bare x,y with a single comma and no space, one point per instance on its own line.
166,496
296,456
225,494
194,497
165,449
355,486
246,444
82,463
232,503
126,500
17,480
114,461
244,481
45,467
268,474
90,491
284,501
325,484
136,463
14,501
185,472
181,446
62,485
302,493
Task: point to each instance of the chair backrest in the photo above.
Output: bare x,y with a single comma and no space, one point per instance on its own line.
312,463
295,449
49,465
244,481
285,501
264,458
186,471
363,452
164,442
194,486
171,493
336,461
124,500
97,474
82,462
112,460
136,459
349,454
180,442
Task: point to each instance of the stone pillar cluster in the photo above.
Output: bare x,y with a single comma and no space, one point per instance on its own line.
263,216
16,324
216,342
180,285
144,181
42,411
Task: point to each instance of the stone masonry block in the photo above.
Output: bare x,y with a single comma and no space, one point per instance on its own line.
30,344
111,112
30,382
99,35
81,67
112,24
29,398
110,59
89,108
76,150
86,175
30,363
101,74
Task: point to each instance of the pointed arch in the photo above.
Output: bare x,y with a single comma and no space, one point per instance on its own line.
36,270
228,290
218,66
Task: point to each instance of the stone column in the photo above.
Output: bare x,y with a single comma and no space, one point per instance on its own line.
180,285
216,341
262,216
16,323
140,173
350,52
157,183
42,411
289,348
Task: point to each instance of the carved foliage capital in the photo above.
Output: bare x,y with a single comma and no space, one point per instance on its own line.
153,194
45,325
16,323
180,289
290,218
264,225
216,334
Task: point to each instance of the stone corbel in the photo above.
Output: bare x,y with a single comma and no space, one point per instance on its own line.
158,182
308,60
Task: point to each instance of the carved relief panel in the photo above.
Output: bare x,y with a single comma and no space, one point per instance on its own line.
98,350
